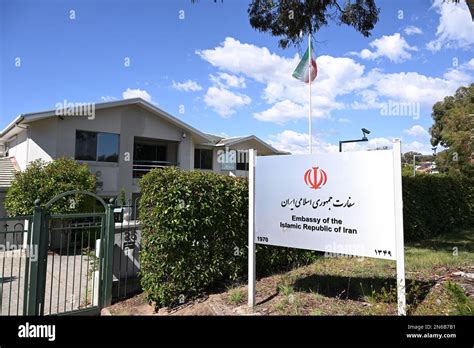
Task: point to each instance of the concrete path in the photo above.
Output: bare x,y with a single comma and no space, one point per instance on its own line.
70,282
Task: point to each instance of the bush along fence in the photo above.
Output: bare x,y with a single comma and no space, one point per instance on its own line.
194,234
194,229
436,204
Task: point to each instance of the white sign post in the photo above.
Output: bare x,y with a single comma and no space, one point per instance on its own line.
398,211
251,251
342,203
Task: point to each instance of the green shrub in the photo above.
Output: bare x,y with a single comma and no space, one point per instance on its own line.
464,305
236,296
194,234
43,181
436,204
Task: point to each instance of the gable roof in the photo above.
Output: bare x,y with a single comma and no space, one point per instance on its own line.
208,139
215,138
241,139
35,116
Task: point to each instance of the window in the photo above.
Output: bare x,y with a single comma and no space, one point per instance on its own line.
107,147
149,152
243,165
202,159
86,146
242,160
92,146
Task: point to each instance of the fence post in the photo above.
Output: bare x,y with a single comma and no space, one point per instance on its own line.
108,249
37,269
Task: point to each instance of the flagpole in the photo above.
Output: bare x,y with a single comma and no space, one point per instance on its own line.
309,82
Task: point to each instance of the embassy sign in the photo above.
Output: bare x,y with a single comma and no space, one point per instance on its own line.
341,203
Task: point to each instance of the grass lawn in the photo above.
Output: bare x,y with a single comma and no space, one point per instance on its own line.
435,277
365,286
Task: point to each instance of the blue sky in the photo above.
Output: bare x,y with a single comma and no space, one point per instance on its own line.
231,79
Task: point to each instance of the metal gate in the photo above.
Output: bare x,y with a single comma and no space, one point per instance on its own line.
14,264
67,262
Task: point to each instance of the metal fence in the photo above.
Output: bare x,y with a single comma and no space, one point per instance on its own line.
126,262
54,264
73,262
57,264
14,263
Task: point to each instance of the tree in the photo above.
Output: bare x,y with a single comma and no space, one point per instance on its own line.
452,129
294,19
407,170
408,157
44,181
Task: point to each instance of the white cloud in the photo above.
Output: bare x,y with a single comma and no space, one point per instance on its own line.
461,75
286,99
286,110
381,143
416,146
298,143
256,62
227,80
344,120
378,143
417,131
136,93
372,144
455,27
108,98
187,86
337,76
224,102
412,30
394,47
412,87
417,88
369,100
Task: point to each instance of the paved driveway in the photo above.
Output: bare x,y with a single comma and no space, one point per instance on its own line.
71,282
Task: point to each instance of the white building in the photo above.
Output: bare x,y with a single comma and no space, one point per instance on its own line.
120,141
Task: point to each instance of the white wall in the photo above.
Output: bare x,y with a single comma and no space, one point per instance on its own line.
17,147
54,137
243,146
38,141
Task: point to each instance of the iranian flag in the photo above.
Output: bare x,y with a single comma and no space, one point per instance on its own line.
302,70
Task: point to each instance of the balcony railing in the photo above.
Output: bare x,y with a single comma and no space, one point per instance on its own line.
140,168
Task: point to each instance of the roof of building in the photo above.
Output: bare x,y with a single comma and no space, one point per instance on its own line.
225,142
208,139
215,138
35,116
7,172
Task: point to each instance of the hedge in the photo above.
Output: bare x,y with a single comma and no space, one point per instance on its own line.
194,228
436,204
45,180
194,235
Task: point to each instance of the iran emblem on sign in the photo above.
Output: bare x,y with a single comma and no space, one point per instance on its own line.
315,178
